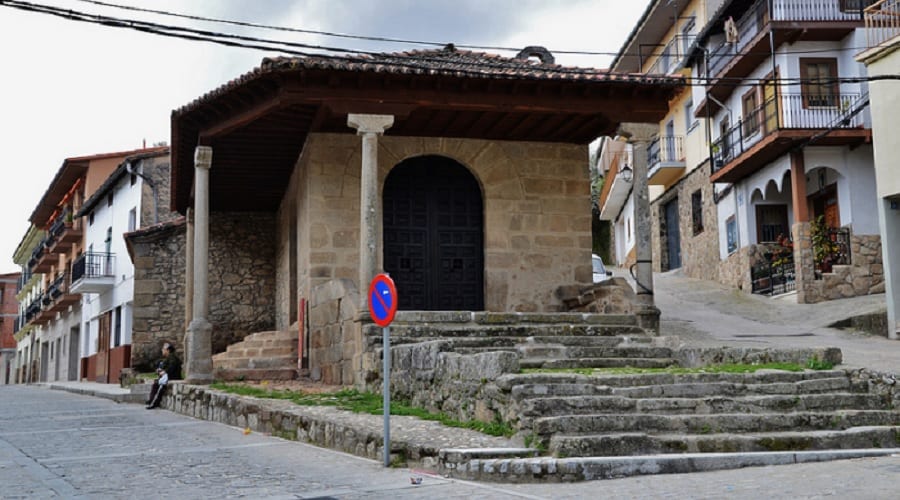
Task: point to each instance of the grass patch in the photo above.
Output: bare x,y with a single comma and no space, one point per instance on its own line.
723,368
814,363
364,402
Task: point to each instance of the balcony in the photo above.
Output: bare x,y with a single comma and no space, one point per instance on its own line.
42,260
882,22
665,160
671,57
93,273
65,232
616,186
60,294
790,21
771,130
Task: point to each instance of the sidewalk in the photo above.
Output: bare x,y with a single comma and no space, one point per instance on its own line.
135,394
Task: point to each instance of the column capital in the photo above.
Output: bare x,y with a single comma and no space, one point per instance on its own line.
369,124
203,157
637,132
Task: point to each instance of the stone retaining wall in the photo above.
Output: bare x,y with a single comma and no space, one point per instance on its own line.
336,348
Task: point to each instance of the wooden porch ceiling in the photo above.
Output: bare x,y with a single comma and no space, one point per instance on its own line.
779,143
257,126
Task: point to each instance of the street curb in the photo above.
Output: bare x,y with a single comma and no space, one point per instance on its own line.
117,397
548,469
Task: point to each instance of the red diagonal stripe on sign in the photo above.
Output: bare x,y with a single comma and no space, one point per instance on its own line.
387,309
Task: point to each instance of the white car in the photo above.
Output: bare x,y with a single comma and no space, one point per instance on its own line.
600,272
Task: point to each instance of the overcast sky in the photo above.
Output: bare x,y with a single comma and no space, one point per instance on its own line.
71,89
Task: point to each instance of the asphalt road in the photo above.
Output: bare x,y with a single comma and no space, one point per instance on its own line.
55,444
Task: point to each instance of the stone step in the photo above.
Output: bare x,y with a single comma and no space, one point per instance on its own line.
625,444
694,390
530,350
265,352
526,391
575,405
476,350
555,364
516,330
231,374
256,362
262,343
758,377
714,423
495,318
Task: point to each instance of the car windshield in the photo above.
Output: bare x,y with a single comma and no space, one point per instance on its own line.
598,265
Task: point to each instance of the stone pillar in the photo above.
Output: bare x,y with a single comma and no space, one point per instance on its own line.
198,349
369,127
804,264
889,222
798,187
639,136
188,269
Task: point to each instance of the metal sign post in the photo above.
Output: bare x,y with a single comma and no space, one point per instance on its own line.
383,307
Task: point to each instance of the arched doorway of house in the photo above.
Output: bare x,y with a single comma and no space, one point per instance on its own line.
433,235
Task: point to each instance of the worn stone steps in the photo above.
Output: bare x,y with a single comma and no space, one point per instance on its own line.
430,331
582,404
536,350
563,363
693,390
270,355
241,374
758,377
638,443
499,318
257,362
714,423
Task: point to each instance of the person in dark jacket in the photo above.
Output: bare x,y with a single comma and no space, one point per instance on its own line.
168,368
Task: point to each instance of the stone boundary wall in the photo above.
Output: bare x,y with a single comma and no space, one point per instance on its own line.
864,275
880,383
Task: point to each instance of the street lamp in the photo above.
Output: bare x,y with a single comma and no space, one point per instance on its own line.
626,174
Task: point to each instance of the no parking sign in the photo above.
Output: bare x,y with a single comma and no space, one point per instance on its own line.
382,308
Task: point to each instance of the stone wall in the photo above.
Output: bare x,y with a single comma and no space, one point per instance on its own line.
336,349
864,275
536,202
699,252
158,170
241,276
241,282
158,308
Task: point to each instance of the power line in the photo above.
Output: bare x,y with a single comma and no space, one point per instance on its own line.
473,67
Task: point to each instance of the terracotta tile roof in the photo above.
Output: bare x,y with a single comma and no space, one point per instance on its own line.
448,61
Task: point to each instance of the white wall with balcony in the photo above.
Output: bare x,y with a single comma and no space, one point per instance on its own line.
108,280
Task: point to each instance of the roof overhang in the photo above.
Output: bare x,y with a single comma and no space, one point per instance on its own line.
257,124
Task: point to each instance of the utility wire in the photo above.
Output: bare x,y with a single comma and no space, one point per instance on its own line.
470,67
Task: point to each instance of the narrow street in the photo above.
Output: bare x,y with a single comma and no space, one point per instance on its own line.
59,445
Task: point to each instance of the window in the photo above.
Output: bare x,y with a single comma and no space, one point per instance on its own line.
697,211
731,234
132,220
91,219
690,123
771,222
117,329
686,31
750,103
824,93
109,200
133,179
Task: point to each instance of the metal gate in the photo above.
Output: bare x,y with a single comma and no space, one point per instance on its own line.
673,235
433,235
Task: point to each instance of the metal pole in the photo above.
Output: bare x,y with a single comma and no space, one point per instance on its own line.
386,392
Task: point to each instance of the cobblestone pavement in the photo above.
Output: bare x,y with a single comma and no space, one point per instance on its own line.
54,444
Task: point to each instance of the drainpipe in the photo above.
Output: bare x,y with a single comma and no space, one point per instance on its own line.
153,188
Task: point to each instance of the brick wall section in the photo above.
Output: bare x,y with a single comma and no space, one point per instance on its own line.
241,282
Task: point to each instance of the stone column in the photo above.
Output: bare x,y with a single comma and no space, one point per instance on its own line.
639,136
188,269
369,127
798,187
198,364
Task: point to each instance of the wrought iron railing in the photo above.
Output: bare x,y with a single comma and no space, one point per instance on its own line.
755,19
58,287
882,22
669,57
786,111
33,309
93,265
773,279
665,149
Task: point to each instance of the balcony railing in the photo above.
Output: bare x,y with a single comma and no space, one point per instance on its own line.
882,22
672,55
787,111
758,16
665,149
93,265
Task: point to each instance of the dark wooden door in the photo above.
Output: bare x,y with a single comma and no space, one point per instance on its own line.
103,348
673,234
433,235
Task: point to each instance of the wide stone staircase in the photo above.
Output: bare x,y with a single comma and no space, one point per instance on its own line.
571,415
260,356
559,340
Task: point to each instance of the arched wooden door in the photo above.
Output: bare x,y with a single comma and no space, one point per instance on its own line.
433,235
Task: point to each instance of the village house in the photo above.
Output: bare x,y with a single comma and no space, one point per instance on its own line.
463,175
52,341
882,59
9,317
756,151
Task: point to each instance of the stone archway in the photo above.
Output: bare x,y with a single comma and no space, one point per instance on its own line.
434,235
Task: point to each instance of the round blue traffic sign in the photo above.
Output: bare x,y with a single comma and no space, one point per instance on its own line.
382,300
